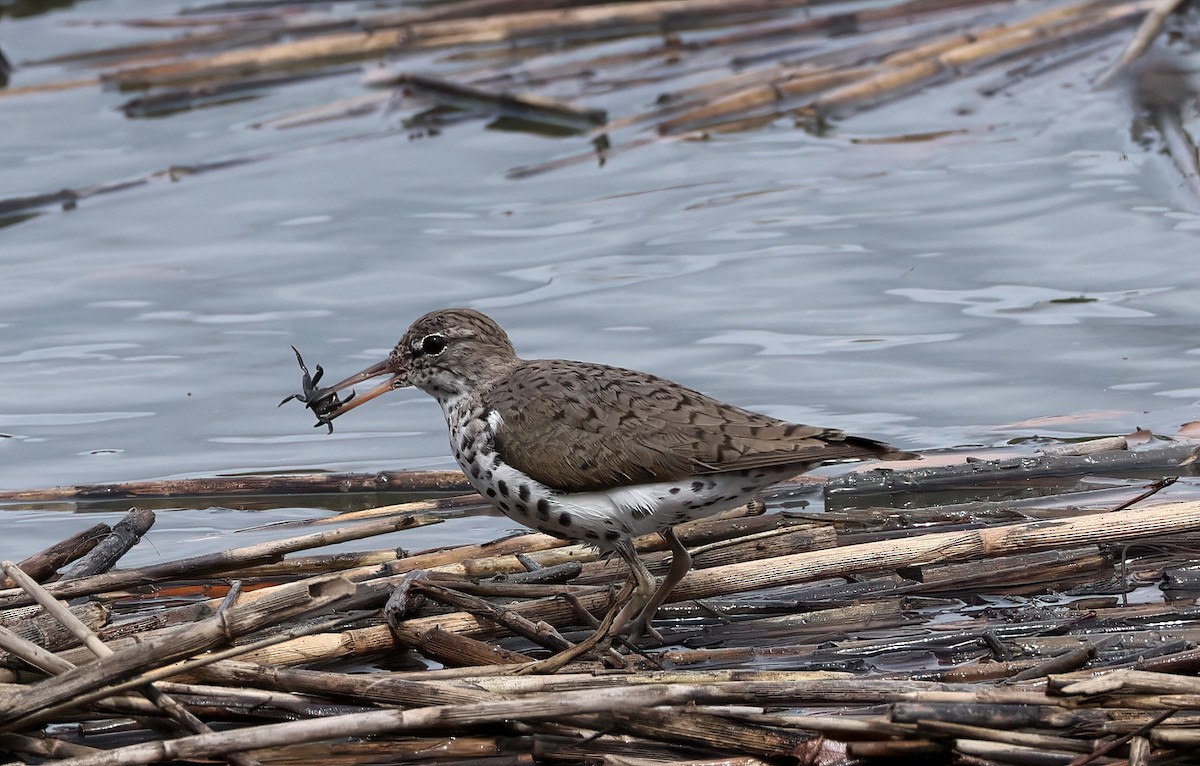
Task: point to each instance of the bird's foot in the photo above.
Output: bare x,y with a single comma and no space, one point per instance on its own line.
641,626
599,641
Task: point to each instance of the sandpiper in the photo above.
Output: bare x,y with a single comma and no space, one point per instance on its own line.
587,451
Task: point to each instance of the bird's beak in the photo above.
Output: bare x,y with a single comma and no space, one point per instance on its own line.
327,408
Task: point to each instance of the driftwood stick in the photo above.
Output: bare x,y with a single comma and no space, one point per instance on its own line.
998,752
124,535
941,57
765,96
49,633
1046,566
1018,470
40,566
299,484
523,105
502,558
1130,682
69,198
1060,663
254,702
769,688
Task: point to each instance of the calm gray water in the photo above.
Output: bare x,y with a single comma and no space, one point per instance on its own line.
915,291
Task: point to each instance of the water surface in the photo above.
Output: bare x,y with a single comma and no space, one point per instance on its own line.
1035,263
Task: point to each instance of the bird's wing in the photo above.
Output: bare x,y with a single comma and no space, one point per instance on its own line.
581,427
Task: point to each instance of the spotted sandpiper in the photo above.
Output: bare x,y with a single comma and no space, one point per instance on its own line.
587,451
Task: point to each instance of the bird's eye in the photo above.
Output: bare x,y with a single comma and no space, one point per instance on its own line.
432,345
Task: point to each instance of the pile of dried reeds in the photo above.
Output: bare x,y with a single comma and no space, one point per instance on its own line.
552,66
984,632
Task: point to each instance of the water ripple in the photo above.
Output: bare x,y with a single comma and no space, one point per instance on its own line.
558,280
262,316
88,351
786,344
1033,305
67,419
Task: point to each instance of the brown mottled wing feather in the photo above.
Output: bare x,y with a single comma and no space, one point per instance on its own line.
572,425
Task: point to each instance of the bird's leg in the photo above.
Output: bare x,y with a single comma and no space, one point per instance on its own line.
643,592
681,564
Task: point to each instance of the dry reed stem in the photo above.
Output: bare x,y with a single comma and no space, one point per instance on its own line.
857,84
457,502
1132,681
410,689
908,70
356,46
682,726
49,87
1045,742
1141,41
